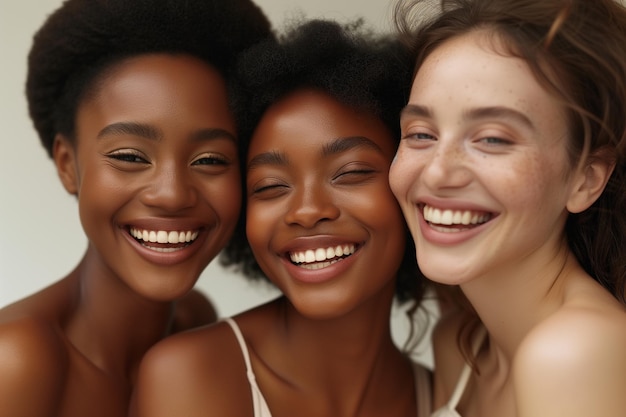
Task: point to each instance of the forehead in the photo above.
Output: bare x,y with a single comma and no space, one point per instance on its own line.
159,88
476,70
478,57
306,120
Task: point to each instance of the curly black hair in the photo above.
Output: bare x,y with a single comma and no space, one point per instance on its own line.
355,66
80,41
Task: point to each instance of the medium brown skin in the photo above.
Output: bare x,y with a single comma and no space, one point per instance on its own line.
73,349
325,347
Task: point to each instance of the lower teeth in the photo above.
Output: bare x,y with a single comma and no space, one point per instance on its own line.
319,265
163,250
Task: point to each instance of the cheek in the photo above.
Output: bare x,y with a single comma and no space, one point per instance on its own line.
260,224
224,195
102,191
536,186
402,174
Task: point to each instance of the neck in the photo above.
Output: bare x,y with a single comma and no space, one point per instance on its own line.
513,301
111,325
349,360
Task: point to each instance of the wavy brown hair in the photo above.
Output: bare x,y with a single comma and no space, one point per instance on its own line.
577,51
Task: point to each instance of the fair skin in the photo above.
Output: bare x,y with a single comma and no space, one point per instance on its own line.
485,183
317,179
154,151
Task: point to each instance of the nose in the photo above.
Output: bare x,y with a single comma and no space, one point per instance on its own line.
171,188
311,205
446,167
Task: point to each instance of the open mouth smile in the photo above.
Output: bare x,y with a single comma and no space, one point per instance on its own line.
451,221
321,257
162,240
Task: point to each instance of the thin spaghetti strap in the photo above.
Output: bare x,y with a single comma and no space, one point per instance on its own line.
467,371
259,404
460,387
243,346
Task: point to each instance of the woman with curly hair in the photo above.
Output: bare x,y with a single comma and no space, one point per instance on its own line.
320,110
131,101
511,174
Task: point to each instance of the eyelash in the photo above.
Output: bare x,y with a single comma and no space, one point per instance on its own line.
494,140
135,157
420,136
487,140
130,157
213,160
269,191
355,172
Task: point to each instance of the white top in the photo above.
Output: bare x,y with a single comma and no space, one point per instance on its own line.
449,409
423,390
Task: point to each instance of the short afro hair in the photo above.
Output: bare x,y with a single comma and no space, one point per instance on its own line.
358,68
82,39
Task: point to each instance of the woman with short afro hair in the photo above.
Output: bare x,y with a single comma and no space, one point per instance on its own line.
318,114
131,100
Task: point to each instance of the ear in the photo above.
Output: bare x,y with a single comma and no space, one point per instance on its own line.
591,181
64,156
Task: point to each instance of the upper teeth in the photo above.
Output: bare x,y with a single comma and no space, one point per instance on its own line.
321,254
449,217
162,236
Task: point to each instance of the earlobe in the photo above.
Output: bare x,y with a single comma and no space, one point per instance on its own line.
63,154
591,182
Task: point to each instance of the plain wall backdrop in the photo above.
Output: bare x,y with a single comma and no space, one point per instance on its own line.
41,239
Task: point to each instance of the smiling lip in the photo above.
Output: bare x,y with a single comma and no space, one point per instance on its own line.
165,247
450,226
321,257
163,240
462,219
320,262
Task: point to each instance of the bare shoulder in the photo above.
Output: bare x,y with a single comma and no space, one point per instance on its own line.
33,365
200,372
573,364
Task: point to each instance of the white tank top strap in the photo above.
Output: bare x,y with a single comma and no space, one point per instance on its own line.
423,390
449,410
258,401
460,387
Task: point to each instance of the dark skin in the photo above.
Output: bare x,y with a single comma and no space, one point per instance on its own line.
73,348
325,346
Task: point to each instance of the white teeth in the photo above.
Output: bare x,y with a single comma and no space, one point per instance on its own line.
319,255
451,217
162,236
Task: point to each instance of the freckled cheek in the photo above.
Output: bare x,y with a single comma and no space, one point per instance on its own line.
524,183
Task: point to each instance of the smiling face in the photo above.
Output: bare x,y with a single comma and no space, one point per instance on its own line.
482,173
321,218
155,169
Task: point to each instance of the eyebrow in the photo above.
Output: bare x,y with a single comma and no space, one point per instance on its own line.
415,110
336,146
150,132
131,128
268,158
498,112
212,134
343,144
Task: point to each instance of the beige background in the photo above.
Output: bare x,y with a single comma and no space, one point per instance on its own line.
40,235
